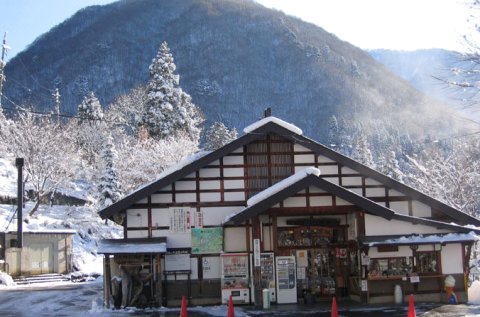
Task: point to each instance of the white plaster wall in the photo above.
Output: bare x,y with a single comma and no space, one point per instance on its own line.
209,185
185,198
351,181
300,148
137,234
295,202
233,172
399,206
234,196
214,216
420,209
328,170
348,170
324,159
377,226
304,158
209,172
161,217
185,185
137,218
210,197
235,239
333,180
393,192
371,181
313,189
234,184
452,258
375,192
341,202
161,198
232,160
321,201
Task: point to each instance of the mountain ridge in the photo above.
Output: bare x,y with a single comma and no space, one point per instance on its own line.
234,58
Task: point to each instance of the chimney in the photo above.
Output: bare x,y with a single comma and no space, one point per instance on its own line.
267,112
19,163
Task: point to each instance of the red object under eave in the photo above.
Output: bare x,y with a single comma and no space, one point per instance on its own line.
183,311
411,307
231,311
334,307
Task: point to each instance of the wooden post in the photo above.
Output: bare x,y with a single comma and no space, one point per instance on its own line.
257,278
107,284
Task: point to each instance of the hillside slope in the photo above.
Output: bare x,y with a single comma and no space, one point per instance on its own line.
234,57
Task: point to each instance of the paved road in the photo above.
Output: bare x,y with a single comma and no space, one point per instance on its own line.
85,299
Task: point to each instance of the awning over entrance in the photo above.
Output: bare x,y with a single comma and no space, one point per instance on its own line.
132,246
419,239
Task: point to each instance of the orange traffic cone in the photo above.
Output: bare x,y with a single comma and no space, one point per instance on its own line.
231,311
183,311
411,307
334,307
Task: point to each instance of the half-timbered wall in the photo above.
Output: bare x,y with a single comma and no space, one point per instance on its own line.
376,226
360,184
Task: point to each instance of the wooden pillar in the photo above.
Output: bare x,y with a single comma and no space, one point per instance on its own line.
257,278
107,280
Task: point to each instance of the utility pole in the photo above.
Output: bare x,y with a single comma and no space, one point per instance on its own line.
5,48
56,99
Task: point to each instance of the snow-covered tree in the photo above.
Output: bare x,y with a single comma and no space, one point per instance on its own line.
361,151
56,103
169,111
394,170
218,135
109,188
127,110
48,152
90,110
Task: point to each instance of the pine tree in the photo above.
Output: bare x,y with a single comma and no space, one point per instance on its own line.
169,111
394,170
361,151
90,110
109,188
218,135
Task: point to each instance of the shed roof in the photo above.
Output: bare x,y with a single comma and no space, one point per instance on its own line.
132,246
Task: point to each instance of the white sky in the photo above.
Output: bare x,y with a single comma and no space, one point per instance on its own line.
391,24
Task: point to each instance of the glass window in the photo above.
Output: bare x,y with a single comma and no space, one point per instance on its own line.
389,267
427,262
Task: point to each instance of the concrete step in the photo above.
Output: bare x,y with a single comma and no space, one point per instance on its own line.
43,278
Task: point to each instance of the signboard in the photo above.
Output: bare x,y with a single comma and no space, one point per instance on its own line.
180,221
302,258
177,262
364,285
207,240
256,252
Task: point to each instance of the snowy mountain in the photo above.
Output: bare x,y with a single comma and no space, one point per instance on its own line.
235,57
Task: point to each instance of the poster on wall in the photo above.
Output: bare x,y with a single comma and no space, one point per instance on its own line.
177,262
207,240
180,221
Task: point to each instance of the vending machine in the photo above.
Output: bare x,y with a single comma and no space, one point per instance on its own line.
235,278
286,279
267,265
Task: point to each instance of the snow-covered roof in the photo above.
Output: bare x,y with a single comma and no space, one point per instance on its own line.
272,190
45,231
282,184
131,246
427,239
276,120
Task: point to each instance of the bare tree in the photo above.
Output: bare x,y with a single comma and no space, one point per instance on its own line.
47,150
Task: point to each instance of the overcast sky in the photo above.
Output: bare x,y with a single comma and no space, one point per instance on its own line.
368,24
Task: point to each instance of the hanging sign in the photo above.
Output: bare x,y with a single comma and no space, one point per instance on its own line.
256,252
180,221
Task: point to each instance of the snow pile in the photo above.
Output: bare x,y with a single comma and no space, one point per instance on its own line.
6,280
450,237
276,120
474,293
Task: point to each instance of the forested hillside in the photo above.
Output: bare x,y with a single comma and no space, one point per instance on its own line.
235,58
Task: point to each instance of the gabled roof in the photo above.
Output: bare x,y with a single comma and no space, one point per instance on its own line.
300,184
271,125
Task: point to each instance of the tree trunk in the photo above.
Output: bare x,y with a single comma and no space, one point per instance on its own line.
35,207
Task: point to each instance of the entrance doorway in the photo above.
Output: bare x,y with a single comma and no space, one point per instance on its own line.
323,273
